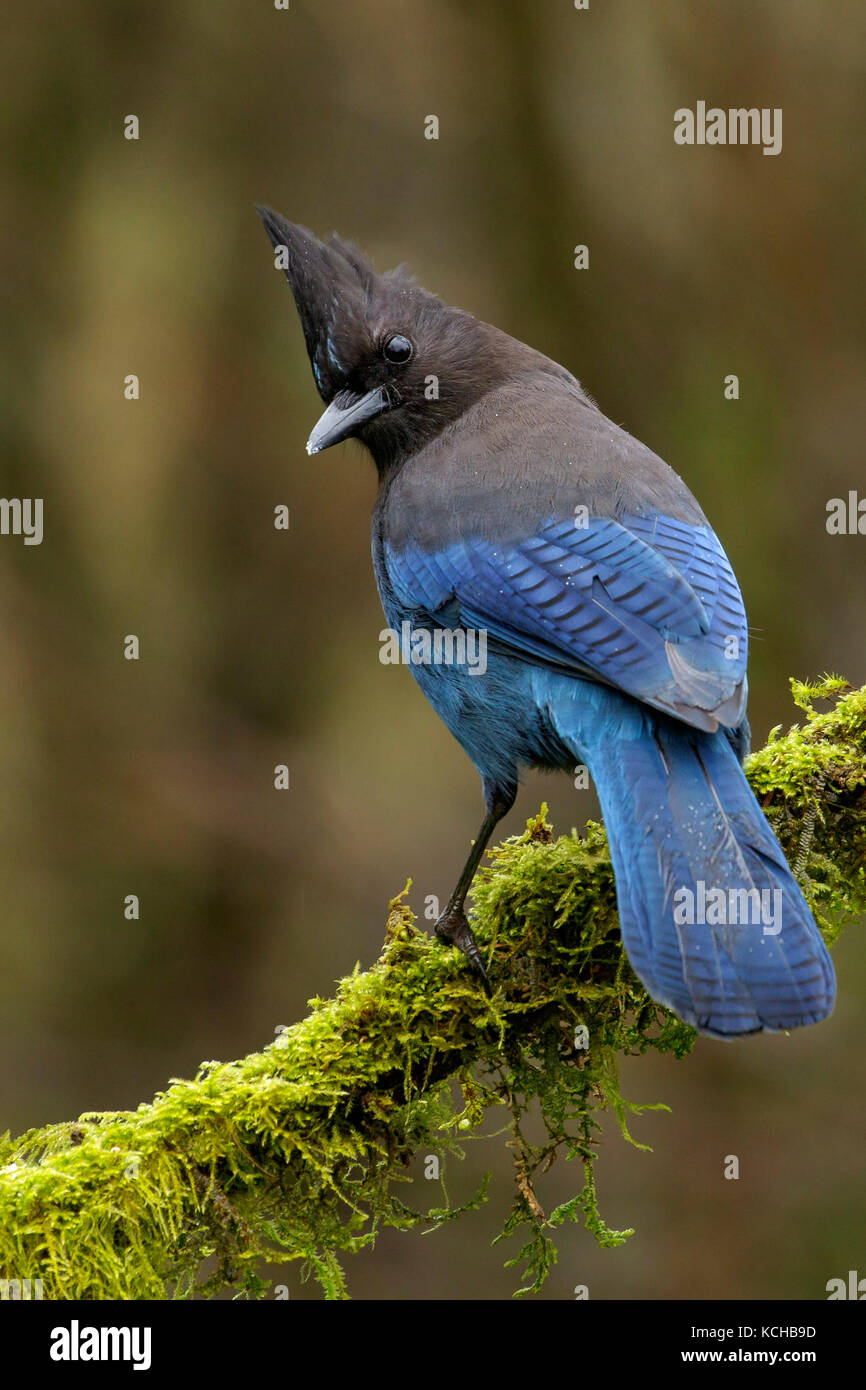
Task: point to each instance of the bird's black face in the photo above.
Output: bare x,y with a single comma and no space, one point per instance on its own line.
393,364
369,367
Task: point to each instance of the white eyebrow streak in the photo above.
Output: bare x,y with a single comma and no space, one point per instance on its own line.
333,358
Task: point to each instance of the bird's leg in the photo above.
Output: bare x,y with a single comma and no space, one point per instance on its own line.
453,926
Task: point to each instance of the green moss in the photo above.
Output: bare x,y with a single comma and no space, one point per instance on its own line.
301,1152
811,784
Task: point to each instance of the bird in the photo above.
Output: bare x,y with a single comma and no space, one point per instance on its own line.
616,638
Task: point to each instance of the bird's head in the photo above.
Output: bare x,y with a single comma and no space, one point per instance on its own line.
393,364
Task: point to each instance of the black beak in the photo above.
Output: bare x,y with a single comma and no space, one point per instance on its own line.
345,413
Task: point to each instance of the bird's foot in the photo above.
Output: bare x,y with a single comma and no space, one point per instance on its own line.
453,927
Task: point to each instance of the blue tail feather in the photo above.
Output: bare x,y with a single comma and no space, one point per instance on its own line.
712,918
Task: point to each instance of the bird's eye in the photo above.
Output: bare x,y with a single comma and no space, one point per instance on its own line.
398,349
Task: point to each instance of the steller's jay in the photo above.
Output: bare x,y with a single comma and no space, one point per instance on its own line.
509,505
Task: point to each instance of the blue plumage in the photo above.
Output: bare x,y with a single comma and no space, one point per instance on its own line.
682,819
616,630
677,807
647,604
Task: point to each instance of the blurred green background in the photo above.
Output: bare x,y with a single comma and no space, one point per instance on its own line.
261,647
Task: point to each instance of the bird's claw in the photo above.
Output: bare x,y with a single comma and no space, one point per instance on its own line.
453,927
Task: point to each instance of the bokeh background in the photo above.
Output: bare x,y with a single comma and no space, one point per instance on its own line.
261,647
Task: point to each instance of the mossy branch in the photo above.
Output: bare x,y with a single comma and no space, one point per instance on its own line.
297,1152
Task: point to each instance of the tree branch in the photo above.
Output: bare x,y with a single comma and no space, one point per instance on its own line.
297,1152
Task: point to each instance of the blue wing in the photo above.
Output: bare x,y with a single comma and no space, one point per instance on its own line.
646,604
